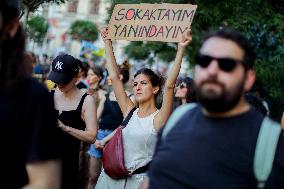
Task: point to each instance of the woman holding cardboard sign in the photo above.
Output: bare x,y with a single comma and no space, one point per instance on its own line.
139,136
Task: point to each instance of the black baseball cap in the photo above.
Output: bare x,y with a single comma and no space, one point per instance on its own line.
64,69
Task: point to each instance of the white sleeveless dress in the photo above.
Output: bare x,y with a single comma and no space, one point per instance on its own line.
139,140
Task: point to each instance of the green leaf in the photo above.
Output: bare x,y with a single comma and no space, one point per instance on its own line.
37,27
84,30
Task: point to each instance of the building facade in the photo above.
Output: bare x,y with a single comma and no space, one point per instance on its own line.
61,17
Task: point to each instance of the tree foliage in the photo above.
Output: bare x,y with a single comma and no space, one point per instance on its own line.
28,6
278,5
84,30
261,21
263,26
37,27
33,5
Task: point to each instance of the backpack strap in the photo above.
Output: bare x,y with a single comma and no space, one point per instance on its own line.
265,150
177,114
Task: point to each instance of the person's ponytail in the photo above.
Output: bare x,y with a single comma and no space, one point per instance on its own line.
124,70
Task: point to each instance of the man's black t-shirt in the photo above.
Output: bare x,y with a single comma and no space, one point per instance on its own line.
28,130
211,153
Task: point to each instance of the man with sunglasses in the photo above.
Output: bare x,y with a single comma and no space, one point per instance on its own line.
212,145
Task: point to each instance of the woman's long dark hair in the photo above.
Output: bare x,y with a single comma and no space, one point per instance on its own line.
98,71
124,71
190,94
12,65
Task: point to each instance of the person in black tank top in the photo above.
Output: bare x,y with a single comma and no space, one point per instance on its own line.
76,113
110,117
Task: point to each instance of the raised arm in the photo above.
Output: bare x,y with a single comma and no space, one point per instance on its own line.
123,100
168,94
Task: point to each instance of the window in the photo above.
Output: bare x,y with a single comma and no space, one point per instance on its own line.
94,6
73,6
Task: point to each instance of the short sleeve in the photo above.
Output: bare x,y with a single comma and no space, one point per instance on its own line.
44,141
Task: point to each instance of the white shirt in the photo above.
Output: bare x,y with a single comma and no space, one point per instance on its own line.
139,140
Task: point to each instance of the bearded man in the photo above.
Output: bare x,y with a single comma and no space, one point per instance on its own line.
212,146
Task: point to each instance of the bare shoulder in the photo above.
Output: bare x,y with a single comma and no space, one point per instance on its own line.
89,99
102,92
159,120
89,102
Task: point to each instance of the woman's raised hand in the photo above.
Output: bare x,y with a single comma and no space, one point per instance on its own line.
104,34
186,39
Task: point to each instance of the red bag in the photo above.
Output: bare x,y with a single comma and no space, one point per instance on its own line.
113,153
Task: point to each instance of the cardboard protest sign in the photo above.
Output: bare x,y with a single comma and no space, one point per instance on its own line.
151,22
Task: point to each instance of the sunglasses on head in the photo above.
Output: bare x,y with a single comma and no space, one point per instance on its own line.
225,64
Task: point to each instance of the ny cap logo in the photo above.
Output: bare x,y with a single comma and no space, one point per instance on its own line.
58,65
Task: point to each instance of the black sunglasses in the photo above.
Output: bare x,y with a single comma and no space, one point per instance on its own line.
225,64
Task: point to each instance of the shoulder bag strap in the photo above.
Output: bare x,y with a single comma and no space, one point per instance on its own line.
178,113
265,150
126,120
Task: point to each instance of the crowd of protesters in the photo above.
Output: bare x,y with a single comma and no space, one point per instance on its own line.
204,134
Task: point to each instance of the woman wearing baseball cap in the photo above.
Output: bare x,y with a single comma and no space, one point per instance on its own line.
76,116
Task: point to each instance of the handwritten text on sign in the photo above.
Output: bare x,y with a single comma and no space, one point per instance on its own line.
151,22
